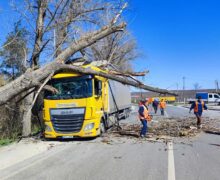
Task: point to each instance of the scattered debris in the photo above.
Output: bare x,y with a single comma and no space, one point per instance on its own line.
106,140
117,157
51,145
165,129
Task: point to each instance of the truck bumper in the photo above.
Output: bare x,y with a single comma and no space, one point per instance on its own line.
95,131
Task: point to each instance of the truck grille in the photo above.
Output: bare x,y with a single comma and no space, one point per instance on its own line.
67,123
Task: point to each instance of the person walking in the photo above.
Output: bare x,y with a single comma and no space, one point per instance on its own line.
155,105
144,117
162,106
198,107
149,100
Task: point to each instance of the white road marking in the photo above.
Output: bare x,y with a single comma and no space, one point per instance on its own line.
171,165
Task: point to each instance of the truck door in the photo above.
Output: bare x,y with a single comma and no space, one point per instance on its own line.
211,99
216,97
98,97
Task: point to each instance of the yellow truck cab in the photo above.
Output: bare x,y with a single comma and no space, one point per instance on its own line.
84,106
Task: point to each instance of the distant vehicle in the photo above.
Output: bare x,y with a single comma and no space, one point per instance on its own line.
207,97
166,98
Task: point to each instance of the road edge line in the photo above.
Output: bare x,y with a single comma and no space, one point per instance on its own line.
171,164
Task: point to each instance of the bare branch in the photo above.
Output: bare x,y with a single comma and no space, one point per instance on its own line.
39,90
52,15
88,40
82,70
128,74
119,13
14,38
42,6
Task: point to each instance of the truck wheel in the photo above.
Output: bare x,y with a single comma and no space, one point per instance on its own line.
127,113
102,126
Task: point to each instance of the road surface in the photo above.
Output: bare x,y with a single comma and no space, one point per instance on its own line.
126,158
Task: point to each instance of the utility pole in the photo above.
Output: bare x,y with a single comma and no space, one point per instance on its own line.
177,89
184,88
216,86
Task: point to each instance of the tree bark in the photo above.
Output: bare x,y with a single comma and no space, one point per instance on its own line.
26,122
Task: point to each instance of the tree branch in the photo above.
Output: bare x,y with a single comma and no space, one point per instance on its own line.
82,70
88,40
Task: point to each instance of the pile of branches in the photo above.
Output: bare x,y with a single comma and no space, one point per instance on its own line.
172,127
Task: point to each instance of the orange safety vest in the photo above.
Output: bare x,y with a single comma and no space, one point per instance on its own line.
150,100
162,104
196,108
146,115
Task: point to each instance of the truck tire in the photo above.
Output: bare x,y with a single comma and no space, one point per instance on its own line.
127,113
102,126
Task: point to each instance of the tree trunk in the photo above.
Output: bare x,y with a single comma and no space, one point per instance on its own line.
27,116
42,6
31,79
26,128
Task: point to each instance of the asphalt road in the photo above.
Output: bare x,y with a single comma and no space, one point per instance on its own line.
125,158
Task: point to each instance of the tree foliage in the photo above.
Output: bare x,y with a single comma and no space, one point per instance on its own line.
14,52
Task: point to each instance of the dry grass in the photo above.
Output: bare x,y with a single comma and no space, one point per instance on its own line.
10,122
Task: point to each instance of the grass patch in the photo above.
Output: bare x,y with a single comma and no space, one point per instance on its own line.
4,142
35,129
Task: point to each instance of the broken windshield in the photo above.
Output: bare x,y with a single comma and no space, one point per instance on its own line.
71,88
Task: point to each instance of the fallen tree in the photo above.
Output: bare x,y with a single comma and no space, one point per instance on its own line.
67,46
34,78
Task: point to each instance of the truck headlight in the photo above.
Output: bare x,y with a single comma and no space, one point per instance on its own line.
89,126
48,128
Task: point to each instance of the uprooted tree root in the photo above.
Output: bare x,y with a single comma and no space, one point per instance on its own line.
171,127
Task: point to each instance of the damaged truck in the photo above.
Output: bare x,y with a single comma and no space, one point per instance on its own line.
84,105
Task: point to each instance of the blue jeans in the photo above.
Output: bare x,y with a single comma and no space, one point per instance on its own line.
162,111
144,128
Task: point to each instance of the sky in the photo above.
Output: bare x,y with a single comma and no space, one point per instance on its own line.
176,39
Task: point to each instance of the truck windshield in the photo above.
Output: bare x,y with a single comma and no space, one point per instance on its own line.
70,88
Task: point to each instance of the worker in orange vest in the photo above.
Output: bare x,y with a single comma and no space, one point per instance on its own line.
149,100
162,106
144,117
198,107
